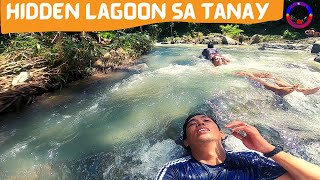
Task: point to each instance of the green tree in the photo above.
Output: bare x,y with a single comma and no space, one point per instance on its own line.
231,30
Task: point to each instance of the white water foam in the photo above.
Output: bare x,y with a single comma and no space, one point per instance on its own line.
154,157
312,149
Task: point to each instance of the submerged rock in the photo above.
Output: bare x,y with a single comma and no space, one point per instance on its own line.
316,47
317,58
291,46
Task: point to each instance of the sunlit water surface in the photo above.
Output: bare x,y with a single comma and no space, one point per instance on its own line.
128,126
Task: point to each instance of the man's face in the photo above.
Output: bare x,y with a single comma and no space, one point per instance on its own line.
201,129
217,61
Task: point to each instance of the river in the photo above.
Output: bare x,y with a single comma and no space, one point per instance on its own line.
127,126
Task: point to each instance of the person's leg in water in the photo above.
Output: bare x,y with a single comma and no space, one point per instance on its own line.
263,75
305,91
281,91
281,82
251,75
308,91
245,73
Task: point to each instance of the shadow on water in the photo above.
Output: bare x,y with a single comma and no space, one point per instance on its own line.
280,103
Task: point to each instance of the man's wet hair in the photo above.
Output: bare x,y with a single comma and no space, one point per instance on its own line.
184,136
213,58
210,45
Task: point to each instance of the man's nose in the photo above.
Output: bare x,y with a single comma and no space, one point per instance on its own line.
200,124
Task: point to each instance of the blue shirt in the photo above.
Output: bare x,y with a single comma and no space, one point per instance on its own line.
207,52
237,166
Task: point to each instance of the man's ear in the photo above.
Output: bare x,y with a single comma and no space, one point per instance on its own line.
185,143
222,135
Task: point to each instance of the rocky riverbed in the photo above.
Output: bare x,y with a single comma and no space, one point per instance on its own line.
311,44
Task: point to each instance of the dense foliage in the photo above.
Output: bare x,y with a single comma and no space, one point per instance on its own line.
135,44
291,35
179,29
47,61
231,30
65,56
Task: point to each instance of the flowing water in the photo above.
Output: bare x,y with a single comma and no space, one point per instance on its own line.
128,126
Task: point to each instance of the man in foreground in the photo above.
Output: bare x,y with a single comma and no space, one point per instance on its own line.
209,160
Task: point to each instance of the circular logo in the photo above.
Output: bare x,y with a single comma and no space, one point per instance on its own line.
299,22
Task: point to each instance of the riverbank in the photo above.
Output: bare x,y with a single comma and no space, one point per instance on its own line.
33,64
270,41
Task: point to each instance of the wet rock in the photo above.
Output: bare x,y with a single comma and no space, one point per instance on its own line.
206,41
138,67
228,40
262,48
285,46
216,40
316,47
224,40
255,39
212,39
317,58
22,77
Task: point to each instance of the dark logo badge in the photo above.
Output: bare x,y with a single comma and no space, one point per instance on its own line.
299,15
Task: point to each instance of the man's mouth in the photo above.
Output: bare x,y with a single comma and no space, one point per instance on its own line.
203,130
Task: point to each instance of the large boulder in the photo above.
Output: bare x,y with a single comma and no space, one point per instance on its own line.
316,47
216,40
255,39
224,40
227,40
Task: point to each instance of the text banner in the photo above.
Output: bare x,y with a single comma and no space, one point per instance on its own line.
97,15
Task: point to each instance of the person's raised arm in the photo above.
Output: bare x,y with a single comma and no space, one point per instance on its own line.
296,167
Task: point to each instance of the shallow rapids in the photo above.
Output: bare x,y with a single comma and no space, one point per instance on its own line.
129,125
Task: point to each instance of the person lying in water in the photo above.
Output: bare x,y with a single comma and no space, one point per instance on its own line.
280,86
219,60
212,53
203,137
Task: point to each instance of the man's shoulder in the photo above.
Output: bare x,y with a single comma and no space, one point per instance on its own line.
243,155
174,165
178,161
249,158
